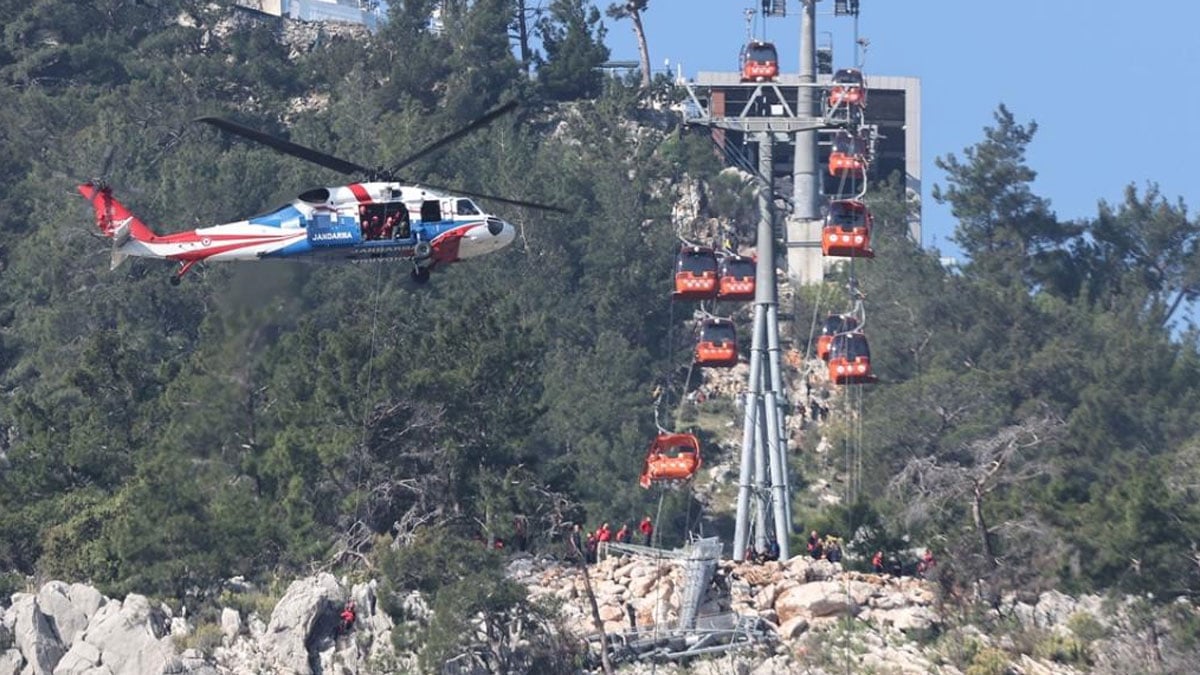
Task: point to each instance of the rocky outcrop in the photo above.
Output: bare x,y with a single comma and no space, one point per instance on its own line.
806,605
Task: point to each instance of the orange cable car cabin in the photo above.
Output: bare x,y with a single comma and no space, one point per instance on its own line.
736,278
834,324
759,62
848,88
847,155
695,273
847,231
716,344
672,458
850,359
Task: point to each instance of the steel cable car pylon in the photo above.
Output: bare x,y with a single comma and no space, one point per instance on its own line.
763,470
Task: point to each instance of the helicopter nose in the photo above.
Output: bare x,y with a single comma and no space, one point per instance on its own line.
487,238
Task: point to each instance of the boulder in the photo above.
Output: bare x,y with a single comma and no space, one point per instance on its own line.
127,634
34,635
793,628
68,620
86,599
1053,609
307,612
611,613
78,660
231,624
906,618
817,599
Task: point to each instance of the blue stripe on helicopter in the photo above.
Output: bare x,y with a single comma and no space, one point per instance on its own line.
287,216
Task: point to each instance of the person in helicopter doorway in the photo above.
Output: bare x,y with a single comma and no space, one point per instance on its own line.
348,616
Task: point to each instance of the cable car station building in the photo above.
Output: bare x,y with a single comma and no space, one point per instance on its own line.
739,113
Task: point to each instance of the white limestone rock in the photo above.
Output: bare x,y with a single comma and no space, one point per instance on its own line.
307,611
11,662
129,636
34,636
80,659
68,620
231,624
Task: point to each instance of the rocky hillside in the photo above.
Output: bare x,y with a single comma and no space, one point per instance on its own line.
810,616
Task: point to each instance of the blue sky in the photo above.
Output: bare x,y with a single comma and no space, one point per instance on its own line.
1112,85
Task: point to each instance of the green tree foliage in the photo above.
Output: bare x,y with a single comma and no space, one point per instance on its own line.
1008,231
573,38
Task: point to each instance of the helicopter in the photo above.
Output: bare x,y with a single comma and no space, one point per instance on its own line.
377,219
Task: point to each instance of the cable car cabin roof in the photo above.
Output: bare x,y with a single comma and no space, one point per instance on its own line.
849,346
759,51
850,76
737,266
673,444
696,259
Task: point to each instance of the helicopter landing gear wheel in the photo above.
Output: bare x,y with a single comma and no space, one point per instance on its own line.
422,250
420,274
175,280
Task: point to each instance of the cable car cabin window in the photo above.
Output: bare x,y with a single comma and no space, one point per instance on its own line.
838,323
718,333
847,214
761,52
431,211
737,267
835,324
466,207
850,347
848,76
697,261
847,144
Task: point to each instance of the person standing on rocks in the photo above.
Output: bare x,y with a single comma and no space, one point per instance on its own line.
647,529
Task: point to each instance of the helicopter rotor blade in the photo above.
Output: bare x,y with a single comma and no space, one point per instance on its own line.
483,121
494,198
287,147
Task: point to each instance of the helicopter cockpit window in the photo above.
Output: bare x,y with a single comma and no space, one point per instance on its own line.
466,207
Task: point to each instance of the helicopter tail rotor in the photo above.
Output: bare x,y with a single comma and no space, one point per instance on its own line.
113,219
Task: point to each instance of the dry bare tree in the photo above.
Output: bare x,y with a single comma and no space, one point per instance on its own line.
933,486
